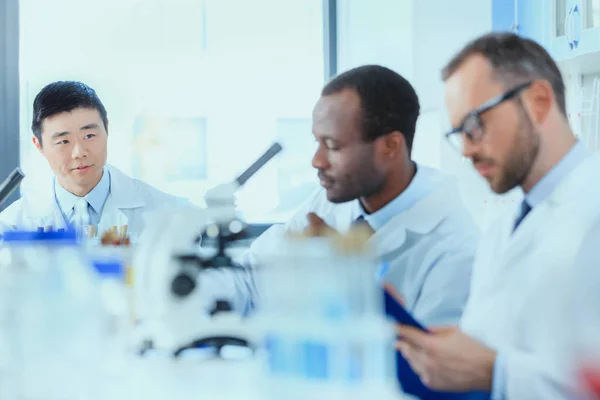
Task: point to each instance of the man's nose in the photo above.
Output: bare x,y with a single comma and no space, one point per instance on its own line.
469,148
79,150
319,160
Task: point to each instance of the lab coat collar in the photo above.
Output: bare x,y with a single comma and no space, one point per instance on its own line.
418,189
122,189
568,192
422,218
544,188
584,174
42,202
427,213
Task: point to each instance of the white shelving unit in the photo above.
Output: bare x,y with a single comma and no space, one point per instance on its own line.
590,112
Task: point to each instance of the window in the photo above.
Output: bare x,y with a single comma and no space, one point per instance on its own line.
294,180
9,93
591,12
195,89
560,14
159,157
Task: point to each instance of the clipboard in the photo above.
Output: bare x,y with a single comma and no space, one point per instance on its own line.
409,381
398,312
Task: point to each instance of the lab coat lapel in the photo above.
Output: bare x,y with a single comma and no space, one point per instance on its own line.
388,239
531,229
523,239
124,203
111,216
43,209
421,218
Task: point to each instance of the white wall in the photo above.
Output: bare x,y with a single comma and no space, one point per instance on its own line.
376,32
442,28
413,37
417,38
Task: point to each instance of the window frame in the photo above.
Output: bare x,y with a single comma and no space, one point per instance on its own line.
9,92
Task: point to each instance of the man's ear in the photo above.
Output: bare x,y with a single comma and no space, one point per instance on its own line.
394,144
38,144
538,100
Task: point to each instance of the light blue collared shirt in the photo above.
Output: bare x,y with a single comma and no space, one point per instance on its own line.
419,188
95,198
550,181
535,197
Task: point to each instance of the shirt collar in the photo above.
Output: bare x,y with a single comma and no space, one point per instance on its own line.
417,189
96,197
552,179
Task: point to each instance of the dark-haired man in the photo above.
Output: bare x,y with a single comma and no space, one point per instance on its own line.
364,124
70,129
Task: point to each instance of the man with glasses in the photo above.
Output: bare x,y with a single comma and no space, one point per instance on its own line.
506,100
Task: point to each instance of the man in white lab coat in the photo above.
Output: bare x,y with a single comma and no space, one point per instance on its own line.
70,129
506,100
582,330
364,124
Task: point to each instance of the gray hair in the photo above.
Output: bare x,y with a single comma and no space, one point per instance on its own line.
514,60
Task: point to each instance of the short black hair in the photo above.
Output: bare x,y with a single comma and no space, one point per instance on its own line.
514,60
64,96
388,101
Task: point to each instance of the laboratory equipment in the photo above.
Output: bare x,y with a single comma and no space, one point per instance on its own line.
174,311
10,184
321,317
48,316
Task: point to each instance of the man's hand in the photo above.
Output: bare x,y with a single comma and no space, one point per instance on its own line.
317,227
447,359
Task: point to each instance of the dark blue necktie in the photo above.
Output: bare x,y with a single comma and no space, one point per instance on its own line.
525,208
360,220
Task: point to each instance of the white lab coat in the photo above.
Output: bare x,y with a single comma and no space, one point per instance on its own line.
429,248
583,333
130,201
519,298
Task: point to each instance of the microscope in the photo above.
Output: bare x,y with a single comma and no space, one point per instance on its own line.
10,184
174,311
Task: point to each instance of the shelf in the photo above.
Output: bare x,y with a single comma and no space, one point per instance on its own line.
586,63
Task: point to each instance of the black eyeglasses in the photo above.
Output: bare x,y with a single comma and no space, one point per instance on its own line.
472,125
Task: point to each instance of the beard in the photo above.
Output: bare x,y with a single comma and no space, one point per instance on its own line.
363,182
521,157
